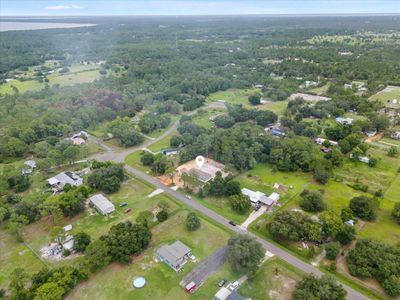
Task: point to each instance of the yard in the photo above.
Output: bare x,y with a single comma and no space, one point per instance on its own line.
162,282
387,95
276,279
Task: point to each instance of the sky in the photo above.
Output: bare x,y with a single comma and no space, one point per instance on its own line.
193,7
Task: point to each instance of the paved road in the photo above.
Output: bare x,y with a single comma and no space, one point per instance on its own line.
206,268
120,156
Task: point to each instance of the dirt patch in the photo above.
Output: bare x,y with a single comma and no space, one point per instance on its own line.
375,138
285,290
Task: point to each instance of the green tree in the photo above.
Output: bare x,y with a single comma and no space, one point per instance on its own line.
312,201
162,215
346,235
239,203
71,153
396,212
147,158
97,255
324,288
81,241
49,291
145,218
364,207
244,254
392,152
192,222
18,281
331,223
332,250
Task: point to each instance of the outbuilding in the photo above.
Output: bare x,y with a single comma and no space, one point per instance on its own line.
102,204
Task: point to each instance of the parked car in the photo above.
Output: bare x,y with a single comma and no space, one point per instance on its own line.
192,257
189,197
232,223
128,210
123,204
257,207
222,282
190,287
234,285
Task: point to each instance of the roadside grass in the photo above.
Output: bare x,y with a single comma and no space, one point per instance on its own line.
276,279
133,160
221,206
115,281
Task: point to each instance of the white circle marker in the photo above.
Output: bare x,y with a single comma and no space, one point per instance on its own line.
199,161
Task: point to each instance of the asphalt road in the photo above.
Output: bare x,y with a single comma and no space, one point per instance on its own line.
206,267
279,252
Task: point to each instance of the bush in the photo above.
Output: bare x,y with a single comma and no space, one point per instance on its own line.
81,241
364,207
66,252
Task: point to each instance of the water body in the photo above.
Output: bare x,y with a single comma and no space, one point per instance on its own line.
10,26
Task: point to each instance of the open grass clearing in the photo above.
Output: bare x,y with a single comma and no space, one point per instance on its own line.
275,279
387,95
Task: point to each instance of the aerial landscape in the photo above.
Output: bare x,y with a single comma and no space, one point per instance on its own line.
200,149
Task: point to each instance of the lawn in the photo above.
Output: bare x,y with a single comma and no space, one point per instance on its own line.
393,192
275,279
387,95
114,282
78,74
14,254
320,90
202,117
237,96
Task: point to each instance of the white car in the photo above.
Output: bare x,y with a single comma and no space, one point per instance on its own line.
234,285
192,257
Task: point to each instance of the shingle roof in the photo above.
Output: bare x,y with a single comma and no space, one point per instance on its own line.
174,252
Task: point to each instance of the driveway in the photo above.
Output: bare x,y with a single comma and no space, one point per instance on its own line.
206,268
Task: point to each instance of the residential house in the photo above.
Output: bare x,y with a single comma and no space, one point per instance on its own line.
168,152
78,141
310,84
174,255
200,175
60,180
28,167
257,197
344,121
320,141
102,204
278,132
348,86
371,133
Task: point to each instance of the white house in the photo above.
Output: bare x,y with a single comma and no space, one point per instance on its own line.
344,121
102,204
396,135
260,198
320,141
28,167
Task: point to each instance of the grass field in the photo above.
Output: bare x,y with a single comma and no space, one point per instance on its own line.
320,90
78,74
393,192
276,279
387,95
236,96
202,117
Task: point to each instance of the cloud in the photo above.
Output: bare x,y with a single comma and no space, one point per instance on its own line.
63,7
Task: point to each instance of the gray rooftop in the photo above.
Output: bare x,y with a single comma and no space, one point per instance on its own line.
200,175
174,252
101,202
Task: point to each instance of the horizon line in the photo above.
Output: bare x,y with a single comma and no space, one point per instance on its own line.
208,15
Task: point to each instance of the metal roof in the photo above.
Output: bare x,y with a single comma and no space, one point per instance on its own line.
174,252
102,203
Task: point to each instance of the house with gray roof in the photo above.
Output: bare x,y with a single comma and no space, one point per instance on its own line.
174,255
200,175
57,182
102,204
